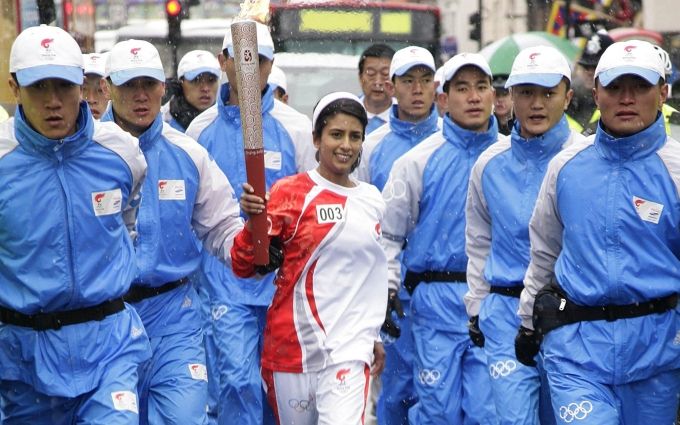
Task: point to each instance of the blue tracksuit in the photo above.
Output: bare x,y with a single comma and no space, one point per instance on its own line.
501,197
606,228
238,306
65,210
425,198
184,193
380,151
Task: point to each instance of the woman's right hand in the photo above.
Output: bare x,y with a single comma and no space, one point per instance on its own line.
251,204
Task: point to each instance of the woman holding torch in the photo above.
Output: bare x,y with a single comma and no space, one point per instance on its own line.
322,328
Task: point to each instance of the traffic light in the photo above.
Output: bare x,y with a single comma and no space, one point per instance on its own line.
475,21
174,13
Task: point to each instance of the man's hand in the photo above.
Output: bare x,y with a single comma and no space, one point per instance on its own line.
393,304
527,346
476,334
378,359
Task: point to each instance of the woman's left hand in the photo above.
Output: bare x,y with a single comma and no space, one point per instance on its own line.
378,359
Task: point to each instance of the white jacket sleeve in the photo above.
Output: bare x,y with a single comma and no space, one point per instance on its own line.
216,215
299,127
126,146
478,231
545,233
402,194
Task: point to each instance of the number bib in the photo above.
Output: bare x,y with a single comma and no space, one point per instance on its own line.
330,213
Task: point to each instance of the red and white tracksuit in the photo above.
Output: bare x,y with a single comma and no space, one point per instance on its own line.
330,299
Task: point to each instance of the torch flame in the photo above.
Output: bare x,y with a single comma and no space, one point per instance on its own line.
257,10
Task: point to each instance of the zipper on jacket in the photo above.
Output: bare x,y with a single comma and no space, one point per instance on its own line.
67,224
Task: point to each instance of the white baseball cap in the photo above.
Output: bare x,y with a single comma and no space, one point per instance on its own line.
408,57
133,59
540,65
95,63
635,57
196,62
454,64
438,76
278,78
265,44
330,98
45,52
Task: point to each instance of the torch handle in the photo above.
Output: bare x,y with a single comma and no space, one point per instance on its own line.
260,226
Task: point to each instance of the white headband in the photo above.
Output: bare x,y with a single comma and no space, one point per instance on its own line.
328,99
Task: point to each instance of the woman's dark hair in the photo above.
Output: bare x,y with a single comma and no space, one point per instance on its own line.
344,106
341,106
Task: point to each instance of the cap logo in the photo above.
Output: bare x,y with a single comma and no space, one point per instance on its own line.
628,57
45,43
413,51
134,50
94,58
532,58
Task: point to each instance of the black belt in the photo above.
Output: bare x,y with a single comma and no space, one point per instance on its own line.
413,279
55,320
138,293
508,291
553,309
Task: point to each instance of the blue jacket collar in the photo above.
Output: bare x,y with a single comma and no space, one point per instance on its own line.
35,142
414,131
152,134
232,113
541,147
146,139
470,140
638,145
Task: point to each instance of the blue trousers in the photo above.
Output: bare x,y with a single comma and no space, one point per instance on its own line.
398,393
451,380
237,336
516,388
580,400
114,402
173,385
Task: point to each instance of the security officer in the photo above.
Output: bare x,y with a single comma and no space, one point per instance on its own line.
185,195
601,290
70,347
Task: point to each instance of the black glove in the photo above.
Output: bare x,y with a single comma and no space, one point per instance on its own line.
275,258
393,304
527,344
476,334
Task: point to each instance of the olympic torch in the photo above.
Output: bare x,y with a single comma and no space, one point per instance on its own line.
244,37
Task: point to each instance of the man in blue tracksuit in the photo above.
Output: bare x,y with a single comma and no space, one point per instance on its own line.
69,345
412,120
238,306
604,276
425,197
199,77
501,197
185,193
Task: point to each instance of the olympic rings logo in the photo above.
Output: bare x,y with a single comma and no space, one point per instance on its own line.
502,368
577,411
394,189
429,377
301,405
219,311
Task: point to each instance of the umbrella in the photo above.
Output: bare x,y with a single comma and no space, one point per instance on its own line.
501,53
